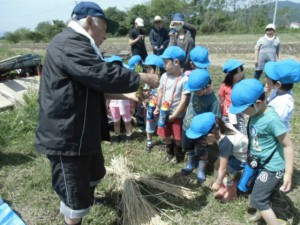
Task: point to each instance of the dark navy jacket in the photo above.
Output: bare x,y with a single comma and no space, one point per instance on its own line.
72,116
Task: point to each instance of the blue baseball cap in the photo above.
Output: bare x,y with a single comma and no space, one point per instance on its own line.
133,61
198,79
244,94
286,71
174,52
154,60
178,17
201,125
199,56
231,64
84,9
114,58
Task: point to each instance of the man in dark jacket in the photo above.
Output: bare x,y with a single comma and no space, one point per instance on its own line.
72,117
159,37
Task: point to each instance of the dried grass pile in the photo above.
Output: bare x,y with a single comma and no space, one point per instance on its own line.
136,209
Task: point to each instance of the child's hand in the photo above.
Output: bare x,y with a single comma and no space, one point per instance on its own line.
171,118
287,183
216,186
156,111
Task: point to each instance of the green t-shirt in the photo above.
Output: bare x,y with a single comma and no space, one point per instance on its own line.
201,104
263,132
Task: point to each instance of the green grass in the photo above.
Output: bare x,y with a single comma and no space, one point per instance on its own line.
25,181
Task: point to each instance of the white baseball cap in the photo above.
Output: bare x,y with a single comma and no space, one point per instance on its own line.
139,22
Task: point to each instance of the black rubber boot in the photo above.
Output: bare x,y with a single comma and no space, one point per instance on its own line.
170,153
179,156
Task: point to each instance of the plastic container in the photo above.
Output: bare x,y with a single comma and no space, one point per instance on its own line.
150,110
163,115
248,177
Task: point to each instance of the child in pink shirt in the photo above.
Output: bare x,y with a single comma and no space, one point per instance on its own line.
234,73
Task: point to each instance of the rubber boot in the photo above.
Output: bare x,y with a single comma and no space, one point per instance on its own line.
178,155
220,193
231,192
191,164
170,153
201,177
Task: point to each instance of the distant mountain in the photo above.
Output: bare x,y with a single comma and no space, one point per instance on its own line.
293,9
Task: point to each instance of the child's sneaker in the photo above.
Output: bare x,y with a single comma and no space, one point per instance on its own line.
253,215
127,138
281,222
168,158
148,147
116,139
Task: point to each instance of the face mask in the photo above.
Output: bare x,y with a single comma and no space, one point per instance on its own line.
255,107
178,27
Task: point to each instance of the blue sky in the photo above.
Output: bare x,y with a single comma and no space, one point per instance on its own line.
28,13
15,14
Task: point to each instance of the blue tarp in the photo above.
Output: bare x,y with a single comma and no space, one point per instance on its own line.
8,216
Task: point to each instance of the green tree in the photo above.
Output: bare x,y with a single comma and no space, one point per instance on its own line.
120,17
36,37
44,28
12,37
139,11
57,27
49,30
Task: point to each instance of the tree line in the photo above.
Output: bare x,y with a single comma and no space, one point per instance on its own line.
209,16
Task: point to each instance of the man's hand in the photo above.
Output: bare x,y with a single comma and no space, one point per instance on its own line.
149,78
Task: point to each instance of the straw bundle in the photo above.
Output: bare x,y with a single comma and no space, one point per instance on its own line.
135,208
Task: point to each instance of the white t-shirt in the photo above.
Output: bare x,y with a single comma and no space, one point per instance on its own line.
236,144
283,105
168,84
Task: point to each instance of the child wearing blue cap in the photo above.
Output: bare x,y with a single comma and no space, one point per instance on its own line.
199,59
172,98
119,108
234,71
134,61
269,143
154,65
280,77
206,127
138,108
202,99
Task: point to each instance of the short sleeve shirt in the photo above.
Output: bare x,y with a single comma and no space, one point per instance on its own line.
172,84
263,132
201,104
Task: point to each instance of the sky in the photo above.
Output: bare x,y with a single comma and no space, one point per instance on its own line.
15,14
